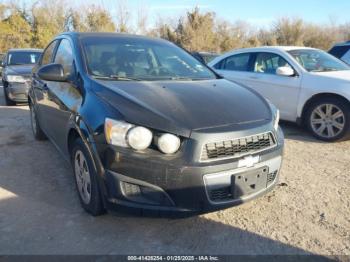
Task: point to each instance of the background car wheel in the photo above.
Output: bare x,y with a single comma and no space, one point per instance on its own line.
86,179
329,119
37,131
8,101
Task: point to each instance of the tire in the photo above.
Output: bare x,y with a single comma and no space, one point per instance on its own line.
36,129
8,101
328,119
86,179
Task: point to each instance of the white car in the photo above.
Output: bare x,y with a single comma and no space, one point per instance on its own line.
307,85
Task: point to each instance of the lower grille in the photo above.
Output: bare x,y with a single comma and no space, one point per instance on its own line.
271,177
237,147
221,194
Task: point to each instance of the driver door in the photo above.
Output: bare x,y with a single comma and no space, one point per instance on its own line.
282,91
63,98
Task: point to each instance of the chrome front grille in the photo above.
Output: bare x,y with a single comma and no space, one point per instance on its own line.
237,147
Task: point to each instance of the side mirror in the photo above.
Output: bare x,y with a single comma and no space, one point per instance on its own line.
2,64
52,72
285,71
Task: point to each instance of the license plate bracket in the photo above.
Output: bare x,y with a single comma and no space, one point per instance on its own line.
249,182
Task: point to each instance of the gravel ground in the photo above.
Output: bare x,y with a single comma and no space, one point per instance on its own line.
308,213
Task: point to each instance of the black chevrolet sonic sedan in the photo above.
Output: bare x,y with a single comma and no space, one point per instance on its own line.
148,127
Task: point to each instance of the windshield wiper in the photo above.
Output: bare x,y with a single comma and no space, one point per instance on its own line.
117,78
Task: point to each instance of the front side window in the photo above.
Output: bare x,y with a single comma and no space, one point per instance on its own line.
47,55
23,57
314,60
267,63
238,62
64,56
140,59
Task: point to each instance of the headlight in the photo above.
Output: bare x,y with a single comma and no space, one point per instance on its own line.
168,143
123,134
139,138
15,78
276,120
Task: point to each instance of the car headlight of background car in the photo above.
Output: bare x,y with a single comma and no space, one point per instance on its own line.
276,115
120,133
15,78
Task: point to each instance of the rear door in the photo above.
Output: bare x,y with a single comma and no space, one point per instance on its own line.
235,67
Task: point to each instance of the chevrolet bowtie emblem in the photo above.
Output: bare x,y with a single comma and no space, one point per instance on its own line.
248,161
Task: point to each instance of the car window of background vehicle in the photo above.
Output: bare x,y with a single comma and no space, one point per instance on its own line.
237,62
318,61
22,58
267,63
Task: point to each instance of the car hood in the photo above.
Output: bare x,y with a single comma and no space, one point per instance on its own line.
339,75
19,69
182,106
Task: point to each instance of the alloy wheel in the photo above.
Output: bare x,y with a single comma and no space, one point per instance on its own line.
327,120
82,176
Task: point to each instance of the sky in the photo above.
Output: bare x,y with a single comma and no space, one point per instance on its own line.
260,13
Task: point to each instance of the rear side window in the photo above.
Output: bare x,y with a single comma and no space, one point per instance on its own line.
238,62
64,56
47,55
339,51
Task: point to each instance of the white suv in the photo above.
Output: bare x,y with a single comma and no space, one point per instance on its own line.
308,85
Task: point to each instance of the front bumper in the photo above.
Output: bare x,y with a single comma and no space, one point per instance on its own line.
18,92
139,182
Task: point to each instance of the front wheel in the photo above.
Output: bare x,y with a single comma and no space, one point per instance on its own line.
86,179
329,119
8,101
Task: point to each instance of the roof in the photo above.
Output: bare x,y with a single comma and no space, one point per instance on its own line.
24,49
347,43
109,34
273,48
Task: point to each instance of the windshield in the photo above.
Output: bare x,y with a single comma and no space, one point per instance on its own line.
23,58
318,61
131,58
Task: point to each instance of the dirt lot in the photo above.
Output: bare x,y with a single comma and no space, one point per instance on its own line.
309,212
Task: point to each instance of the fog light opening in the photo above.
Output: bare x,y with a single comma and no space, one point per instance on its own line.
144,194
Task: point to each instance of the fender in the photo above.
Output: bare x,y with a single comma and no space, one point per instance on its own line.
77,124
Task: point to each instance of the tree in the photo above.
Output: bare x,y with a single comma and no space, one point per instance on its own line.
123,17
15,29
289,31
142,19
99,19
196,31
48,20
